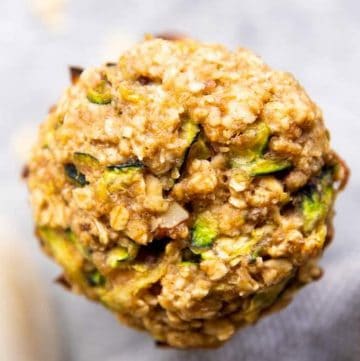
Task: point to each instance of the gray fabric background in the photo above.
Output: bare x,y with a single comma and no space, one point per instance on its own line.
319,41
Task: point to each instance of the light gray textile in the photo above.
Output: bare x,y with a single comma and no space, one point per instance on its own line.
316,40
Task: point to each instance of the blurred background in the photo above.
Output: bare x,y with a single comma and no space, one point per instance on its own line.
318,41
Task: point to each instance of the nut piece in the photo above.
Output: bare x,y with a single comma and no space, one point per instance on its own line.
119,217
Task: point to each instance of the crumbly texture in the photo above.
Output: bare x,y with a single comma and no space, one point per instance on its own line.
188,188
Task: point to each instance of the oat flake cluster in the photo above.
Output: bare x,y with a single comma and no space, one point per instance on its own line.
188,188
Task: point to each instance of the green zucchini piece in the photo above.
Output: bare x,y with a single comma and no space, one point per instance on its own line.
316,202
326,184
85,251
122,254
187,264
118,177
98,98
70,235
131,164
61,247
121,296
95,278
313,210
116,256
99,95
189,130
252,159
74,175
261,137
60,244
245,247
261,166
264,299
85,162
121,176
256,138
204,231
